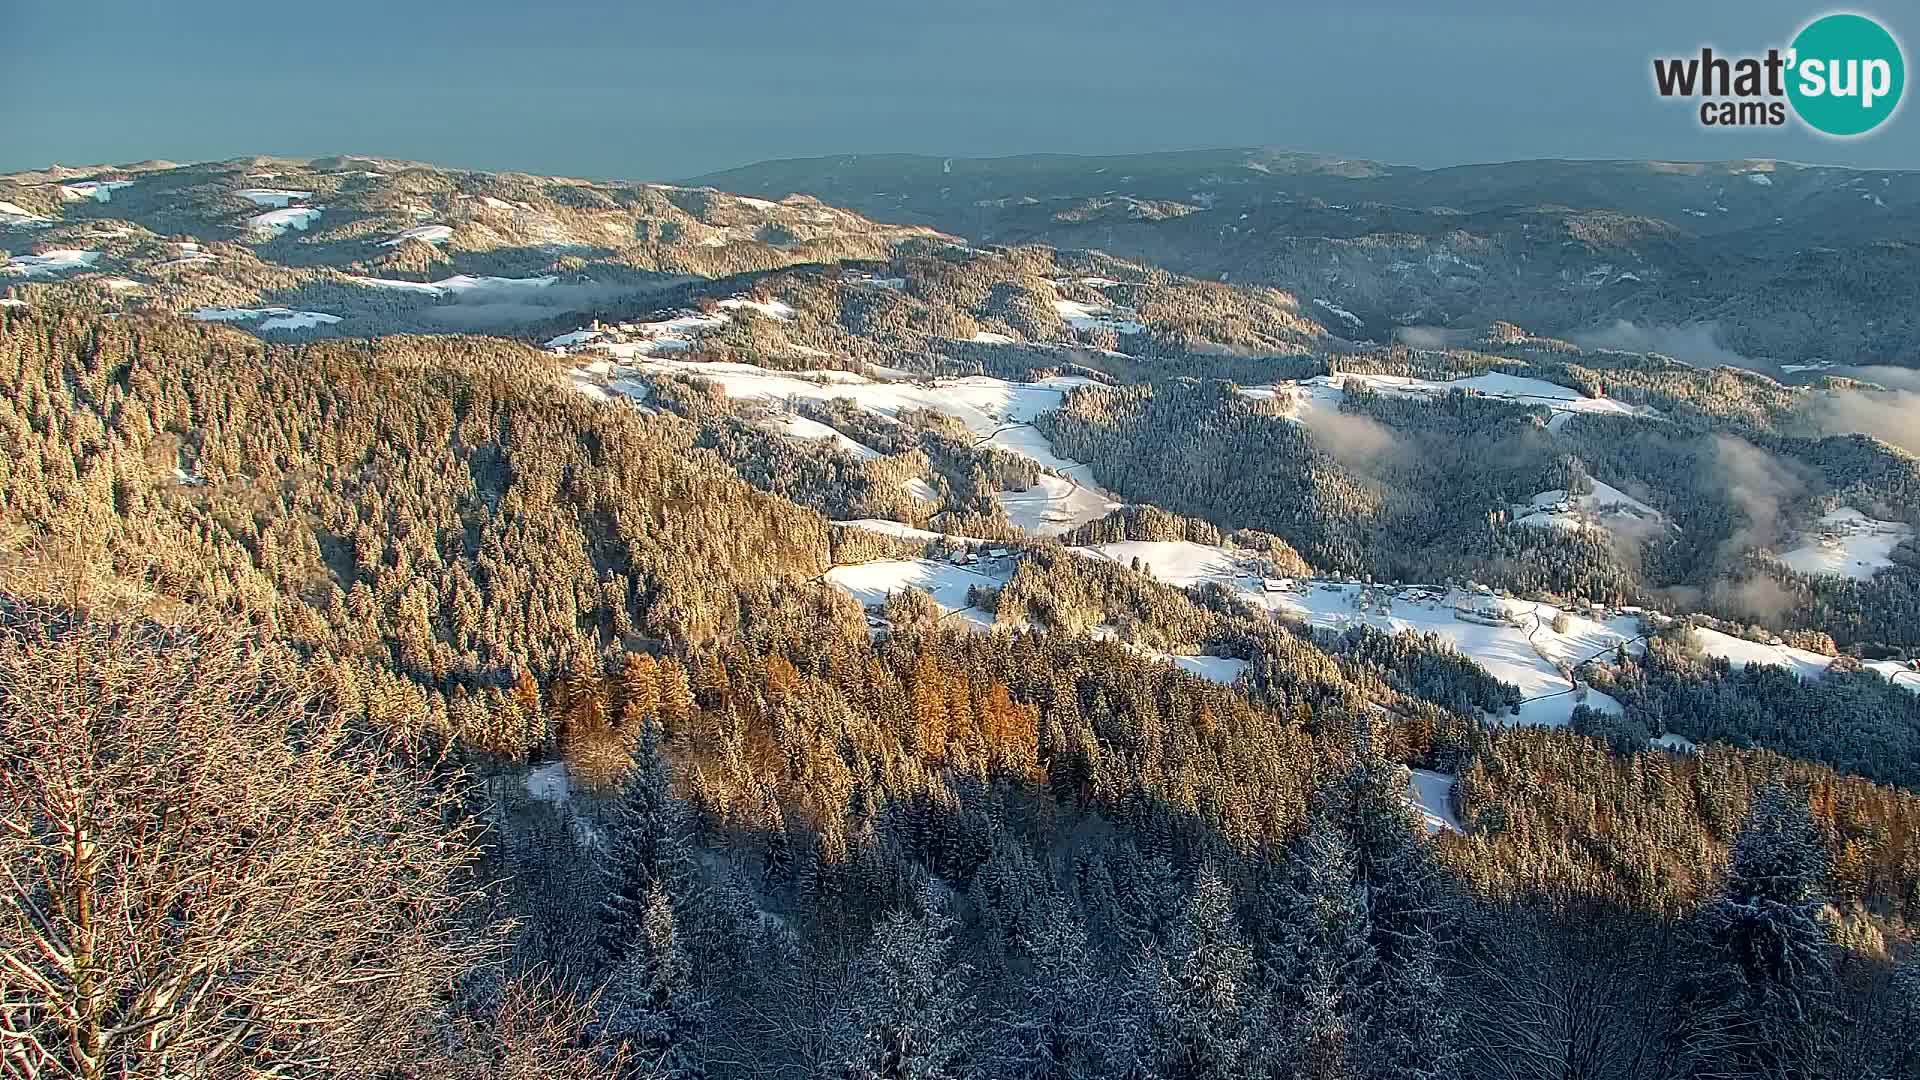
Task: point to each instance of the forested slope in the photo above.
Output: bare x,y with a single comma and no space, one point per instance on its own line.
739,836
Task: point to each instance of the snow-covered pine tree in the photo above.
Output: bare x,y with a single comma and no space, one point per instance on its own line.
908,1015
1068,1022
1409,1018
1401,885
1760,994
1900,1045
1206,1005
651,1006
1314,951
643,848
1411,1023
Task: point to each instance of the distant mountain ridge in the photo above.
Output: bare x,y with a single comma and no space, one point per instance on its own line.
1765,264
1780,261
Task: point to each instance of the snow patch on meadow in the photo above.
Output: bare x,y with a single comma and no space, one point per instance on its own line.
1739,653
275,197
54,261
97,190
269,318
872,582
1221,669
20,217
1328,391
772,309
1432,793
426,234
277,222
1849,544
1055,505
998,412
1081,316
459,283
800,427
1605,507
1518,645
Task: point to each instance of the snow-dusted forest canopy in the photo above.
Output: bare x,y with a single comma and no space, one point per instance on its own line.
481,625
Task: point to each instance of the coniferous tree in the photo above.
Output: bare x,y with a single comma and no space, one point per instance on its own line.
1409,1017
643,851
1070,1021
908,1014
1760,997
1317,959
1205,1004
650,1007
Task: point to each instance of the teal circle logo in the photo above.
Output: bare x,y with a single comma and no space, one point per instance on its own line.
1847,73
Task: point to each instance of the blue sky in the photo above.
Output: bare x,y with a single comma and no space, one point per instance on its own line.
660,91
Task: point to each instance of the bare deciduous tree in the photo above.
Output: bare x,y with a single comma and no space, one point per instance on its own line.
206,872
533,1028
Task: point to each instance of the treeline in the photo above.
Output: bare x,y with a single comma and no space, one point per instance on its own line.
1152,524
1423,490
1855,721
925,469
980,797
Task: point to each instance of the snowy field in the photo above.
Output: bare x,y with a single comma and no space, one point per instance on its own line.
985,405
1524,651
872,582
800,427
459,283
998,412
270,318
97,190
908,532
1739,652
576,337
600,382
56,261
1220,669
663,335
426,234
1850,544
1605,507
274,197
1081,316
772,309
1175,562
16,215
1430,791
1326,392
1055,505
275,222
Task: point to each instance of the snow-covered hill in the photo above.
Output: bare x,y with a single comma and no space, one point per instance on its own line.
1516,644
